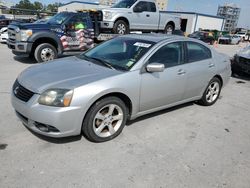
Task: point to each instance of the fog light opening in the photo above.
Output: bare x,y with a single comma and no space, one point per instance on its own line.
45,128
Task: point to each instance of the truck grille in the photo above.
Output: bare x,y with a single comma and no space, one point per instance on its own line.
11,34
21,92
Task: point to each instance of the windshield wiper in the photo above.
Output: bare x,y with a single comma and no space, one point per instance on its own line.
102,61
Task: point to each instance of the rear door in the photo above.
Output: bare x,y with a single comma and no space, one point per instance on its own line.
200,69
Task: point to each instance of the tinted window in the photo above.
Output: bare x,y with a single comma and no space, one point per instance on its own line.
152,7
124,4
79,21
143,5
170,55
197,52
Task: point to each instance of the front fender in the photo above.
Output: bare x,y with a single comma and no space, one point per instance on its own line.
52,36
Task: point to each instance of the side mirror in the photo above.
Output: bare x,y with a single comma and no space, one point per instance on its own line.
137,9
64,27
155,67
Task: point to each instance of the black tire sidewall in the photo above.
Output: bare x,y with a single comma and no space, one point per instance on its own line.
116,26
87,127
166,28
203,100
40,47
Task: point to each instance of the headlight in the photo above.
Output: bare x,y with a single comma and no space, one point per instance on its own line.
107,15
56,97
25,34
17,30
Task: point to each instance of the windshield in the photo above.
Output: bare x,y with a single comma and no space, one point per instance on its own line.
241,33
121,53
124,4
58,18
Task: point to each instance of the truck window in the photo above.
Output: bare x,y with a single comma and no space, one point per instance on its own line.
77,22
152,7
143,5
146,6
124,4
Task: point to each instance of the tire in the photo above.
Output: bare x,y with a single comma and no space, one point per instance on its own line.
121,27
45,52
214,87
101,116
212,42
169,29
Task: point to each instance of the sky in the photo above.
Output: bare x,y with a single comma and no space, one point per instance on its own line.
199,6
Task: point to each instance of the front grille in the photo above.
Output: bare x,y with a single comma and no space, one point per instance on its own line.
21,92
12,34
244,61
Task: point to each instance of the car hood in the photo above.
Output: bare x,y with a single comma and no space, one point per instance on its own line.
67,73
34,25
245,52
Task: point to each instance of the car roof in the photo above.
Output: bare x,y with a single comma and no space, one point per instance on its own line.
154,37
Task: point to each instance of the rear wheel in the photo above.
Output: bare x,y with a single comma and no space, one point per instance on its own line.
212,92
45,52
105,120
169,29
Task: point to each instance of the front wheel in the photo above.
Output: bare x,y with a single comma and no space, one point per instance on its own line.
121,27
212,92
45,52
105,120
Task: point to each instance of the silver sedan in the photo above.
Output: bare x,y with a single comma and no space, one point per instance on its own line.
96,92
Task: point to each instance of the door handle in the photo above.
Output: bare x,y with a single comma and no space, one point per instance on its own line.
181,72
211,65
148,15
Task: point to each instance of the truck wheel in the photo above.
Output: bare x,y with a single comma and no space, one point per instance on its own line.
121,27
45,52
169,29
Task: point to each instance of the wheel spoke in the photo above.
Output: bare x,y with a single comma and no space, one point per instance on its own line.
111,129
99,116
117,117
111,109
100,128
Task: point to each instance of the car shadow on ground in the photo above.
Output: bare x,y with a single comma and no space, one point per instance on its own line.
129,123
241,76
154,114
24,59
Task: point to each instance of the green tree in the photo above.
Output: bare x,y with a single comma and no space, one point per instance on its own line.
38,5
52,7
25,4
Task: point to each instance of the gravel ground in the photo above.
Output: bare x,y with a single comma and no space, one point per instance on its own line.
186,146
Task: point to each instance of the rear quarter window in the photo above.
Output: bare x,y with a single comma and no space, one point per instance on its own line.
197,52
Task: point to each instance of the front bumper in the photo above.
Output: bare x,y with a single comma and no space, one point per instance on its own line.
241,66
106,24
66,121
20,47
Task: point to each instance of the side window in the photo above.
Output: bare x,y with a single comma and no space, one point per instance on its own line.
77,22
143,5
152,7
170,55
197,52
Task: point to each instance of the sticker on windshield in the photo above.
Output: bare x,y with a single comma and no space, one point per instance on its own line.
130,63
141,44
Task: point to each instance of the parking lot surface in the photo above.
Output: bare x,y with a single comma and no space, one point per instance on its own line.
186,146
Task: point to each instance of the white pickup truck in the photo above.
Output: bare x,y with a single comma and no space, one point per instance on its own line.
137,15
